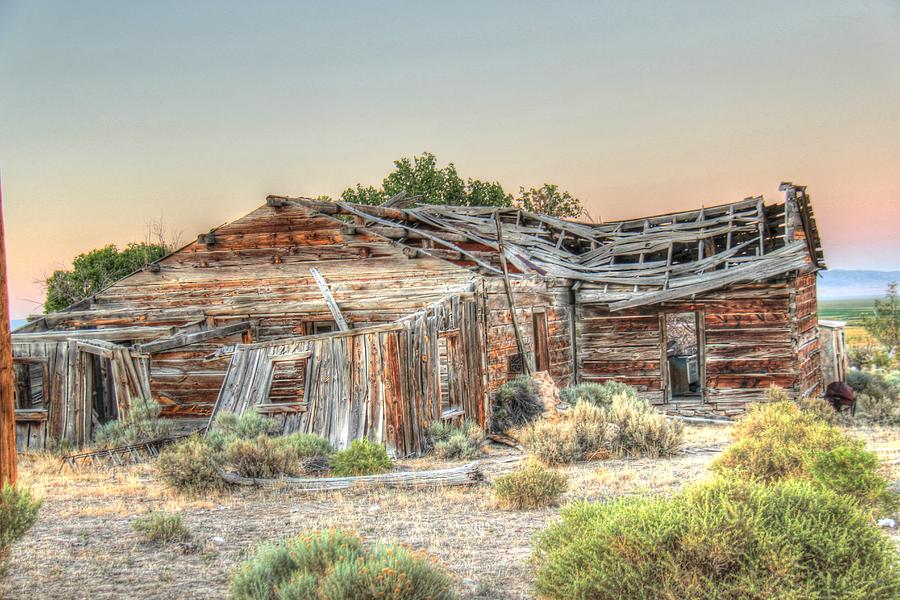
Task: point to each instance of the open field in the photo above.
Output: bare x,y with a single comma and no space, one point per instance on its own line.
851,310
83,545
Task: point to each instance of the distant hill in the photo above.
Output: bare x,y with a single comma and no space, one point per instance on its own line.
841,283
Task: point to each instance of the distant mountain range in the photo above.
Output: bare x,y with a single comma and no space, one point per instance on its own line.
841,283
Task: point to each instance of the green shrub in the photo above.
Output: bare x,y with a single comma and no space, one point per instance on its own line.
190,466
450,442
552,442
720,540
305,445
599,394
515,404
332,565
18,512
161,526
143,425
261,458
363,457
852,471
776,441
641,430
228,426
592,429
531,486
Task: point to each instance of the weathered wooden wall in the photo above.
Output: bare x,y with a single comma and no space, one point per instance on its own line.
66,397
381,382
529,295
805,319
756,336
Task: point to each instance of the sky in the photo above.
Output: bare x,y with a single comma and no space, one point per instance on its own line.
116,114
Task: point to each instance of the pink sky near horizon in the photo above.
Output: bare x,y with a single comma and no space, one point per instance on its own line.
114,116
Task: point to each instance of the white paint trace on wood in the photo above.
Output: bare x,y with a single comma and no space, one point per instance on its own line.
329,300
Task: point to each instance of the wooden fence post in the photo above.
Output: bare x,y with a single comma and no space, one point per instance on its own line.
7,407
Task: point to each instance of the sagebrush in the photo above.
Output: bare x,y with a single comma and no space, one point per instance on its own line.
190,466
362,457
18,512
142,425
228,426
531,486
724,539
333,565
599,394
162,526
780,441
451,442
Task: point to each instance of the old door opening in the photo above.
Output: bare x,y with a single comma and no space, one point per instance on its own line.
683,354
100,388
541,340
449,364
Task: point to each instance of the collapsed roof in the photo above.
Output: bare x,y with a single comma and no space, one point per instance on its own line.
623,263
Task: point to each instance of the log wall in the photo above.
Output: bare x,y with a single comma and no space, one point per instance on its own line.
529,295
756,336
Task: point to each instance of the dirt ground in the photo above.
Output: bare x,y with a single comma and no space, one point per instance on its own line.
83,545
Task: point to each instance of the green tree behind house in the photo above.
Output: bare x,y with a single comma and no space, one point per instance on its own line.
421,176
95,270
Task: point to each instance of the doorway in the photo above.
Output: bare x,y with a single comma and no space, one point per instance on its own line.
683,355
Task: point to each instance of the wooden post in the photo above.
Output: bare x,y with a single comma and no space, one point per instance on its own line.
520,342
329,300
8,471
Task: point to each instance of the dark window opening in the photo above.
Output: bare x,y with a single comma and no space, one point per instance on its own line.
320,327
541,341
683,356
28,388
288,381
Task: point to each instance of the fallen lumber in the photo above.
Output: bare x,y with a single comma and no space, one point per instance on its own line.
468,474
701,420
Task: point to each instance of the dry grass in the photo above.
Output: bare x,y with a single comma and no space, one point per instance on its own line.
83,545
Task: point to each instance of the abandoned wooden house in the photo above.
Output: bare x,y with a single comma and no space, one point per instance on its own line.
352,321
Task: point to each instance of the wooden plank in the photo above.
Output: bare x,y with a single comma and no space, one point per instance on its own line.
329,300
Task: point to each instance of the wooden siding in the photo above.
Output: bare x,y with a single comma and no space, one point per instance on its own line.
752,341
381,383
500,344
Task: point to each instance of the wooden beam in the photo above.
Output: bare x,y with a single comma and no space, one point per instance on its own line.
329,300
110,335
8,469
185,339
509,294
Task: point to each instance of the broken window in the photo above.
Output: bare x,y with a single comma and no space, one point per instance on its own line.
683,356
28,378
